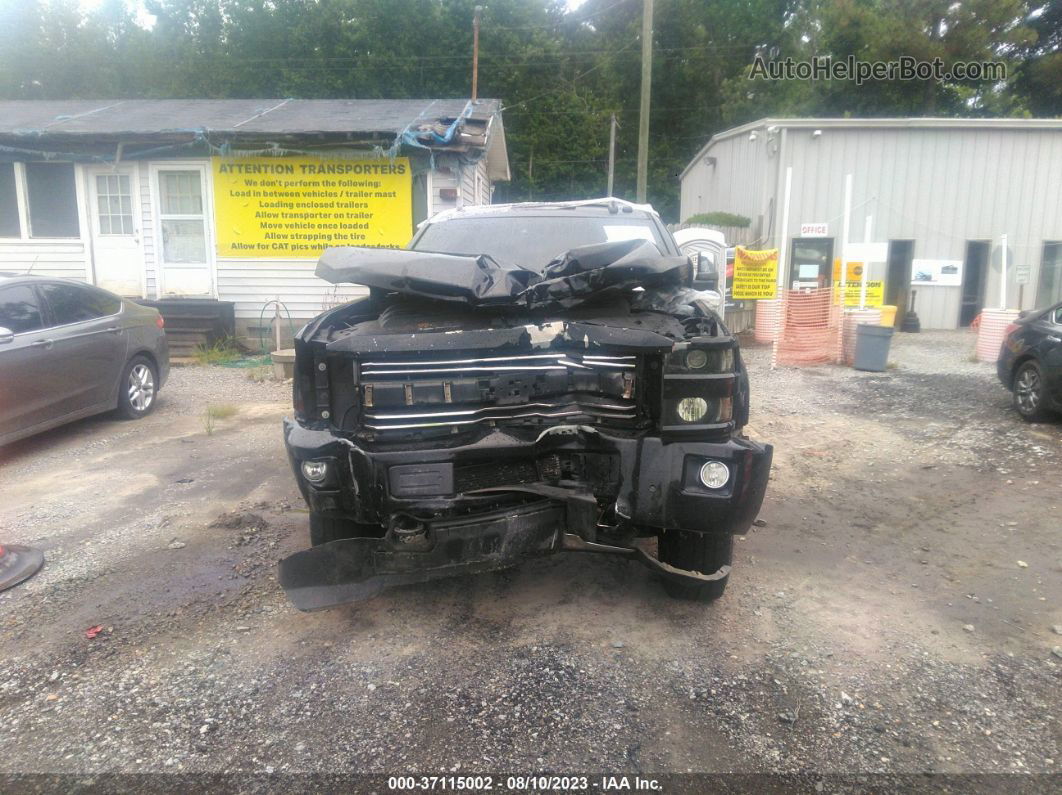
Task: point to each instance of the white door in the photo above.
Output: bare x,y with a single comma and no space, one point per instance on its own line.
182,226
118,259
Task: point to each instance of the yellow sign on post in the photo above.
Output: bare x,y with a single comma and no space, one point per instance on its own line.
853,287
852,293
294,207
755,274
854,272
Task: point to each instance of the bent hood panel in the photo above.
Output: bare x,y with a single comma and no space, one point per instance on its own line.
569,280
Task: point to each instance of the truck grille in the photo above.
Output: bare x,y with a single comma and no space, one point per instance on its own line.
455,391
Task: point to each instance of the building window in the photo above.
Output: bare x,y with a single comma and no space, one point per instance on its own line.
10,225
181,216
1050,290
52,200
114,204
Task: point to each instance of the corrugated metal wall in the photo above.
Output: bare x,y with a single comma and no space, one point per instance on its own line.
940,187
740,180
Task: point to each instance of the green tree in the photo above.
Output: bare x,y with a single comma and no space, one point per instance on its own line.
559,73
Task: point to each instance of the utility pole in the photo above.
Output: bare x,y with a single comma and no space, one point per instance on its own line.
643,114
475,51
611,154
531,173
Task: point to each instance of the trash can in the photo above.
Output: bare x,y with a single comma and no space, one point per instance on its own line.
888,315
872,347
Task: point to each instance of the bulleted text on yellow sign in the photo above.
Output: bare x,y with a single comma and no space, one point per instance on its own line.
297,207
755,274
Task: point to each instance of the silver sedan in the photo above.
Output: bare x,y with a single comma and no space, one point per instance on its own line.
69,350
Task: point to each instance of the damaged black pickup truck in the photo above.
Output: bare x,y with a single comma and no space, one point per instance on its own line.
524,379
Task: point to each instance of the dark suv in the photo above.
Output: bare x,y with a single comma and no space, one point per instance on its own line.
524,379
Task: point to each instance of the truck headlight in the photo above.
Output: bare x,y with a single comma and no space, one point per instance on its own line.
315,471
699,360
699,410
696,359
714,474
692,409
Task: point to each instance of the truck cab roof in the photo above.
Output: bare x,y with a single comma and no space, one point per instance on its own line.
583,207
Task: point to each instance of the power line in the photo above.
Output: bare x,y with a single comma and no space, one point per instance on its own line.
566,19
574,79
536,60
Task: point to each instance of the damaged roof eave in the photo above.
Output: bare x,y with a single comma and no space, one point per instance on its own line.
72,129
497,151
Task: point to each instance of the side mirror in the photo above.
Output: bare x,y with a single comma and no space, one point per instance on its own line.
706,273
6,335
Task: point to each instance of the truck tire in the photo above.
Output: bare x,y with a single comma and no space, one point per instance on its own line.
324,529
694,551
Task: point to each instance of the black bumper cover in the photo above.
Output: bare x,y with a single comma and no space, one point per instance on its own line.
659,488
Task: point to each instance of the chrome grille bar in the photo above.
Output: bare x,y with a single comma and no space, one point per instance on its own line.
536,362
444,423
517,407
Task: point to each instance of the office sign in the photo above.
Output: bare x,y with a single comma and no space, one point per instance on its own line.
814,230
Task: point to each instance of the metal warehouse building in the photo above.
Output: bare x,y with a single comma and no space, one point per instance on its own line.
932,200
215,207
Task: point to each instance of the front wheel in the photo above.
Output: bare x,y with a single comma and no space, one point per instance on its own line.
694,551
137,390
1029,393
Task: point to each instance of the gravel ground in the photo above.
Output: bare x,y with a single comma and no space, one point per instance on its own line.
895,612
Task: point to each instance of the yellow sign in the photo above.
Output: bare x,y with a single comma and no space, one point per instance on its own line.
293,207
852,291
755,274
855,271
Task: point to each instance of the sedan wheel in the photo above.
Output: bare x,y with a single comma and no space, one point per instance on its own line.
1028,392
141,387
137,393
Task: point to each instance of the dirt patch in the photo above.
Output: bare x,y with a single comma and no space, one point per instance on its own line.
878,620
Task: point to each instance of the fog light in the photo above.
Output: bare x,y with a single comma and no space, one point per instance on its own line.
715,474
696,360
314,471
692,409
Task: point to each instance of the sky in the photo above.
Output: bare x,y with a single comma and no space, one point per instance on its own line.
145,19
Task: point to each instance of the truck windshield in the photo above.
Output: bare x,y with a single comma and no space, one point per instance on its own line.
531,241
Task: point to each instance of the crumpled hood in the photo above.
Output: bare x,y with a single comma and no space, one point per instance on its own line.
565,282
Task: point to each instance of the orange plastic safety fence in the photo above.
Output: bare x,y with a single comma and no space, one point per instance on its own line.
809,332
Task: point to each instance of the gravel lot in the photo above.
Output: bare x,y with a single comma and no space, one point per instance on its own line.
897,612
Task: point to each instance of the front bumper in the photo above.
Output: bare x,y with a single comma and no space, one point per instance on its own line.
643,481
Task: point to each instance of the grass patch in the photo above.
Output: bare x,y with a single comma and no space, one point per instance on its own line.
222,351
260,374
221,411
215,412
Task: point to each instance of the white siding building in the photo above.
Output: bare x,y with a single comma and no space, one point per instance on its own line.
933,197
130,195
